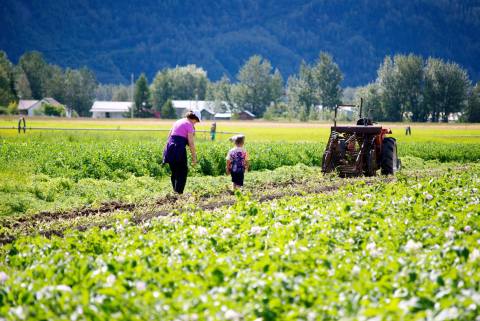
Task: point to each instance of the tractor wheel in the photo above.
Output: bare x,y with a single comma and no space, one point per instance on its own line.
390,161
371,169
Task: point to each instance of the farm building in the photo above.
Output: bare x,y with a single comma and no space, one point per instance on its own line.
243,115
246,115
110,109
205,108
223,116
28,107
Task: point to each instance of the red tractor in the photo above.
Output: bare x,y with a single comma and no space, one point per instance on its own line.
361,149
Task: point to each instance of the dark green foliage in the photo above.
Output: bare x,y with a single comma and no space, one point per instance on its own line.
473,110
143,106
118,38
7,90
51,110
182,83
168,112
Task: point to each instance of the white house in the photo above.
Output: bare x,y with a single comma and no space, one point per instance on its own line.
28,107
204,107
110,109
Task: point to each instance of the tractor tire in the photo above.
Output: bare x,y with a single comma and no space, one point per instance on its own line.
371,168
390,161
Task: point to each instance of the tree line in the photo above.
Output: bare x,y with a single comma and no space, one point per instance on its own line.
407,87
34,78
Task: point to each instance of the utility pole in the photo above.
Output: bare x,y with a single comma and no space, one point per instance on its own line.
133,100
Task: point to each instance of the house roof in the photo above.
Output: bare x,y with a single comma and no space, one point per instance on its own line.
26,104
51,101
111,106
248,113
195,105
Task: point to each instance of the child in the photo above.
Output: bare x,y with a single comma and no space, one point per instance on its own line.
237,161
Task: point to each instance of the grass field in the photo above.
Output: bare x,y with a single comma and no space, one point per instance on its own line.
90,229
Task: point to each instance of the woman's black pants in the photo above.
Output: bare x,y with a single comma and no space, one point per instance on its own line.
179,176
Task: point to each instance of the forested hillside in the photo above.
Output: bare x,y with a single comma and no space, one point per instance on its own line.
115,38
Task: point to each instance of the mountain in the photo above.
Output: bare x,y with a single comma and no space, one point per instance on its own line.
116,38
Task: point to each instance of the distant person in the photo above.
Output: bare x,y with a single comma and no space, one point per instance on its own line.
175,153
237,161
408,131
213,131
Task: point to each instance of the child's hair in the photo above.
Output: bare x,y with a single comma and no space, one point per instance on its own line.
238,139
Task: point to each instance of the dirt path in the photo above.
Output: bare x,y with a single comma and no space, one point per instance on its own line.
55,223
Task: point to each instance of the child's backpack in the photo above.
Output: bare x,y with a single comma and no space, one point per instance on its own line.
237,163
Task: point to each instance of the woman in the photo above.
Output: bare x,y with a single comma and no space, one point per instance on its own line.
175,153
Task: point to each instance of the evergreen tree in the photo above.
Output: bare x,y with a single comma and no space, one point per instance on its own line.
34,66
22,85
167,111
80,86
7,89
328,76
143,107
473,109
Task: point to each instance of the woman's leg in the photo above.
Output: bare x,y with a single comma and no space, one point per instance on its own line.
182,172
173,177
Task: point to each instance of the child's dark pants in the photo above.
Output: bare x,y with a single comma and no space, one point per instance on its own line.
237,178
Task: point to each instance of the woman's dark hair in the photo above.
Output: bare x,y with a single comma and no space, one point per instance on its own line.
191,115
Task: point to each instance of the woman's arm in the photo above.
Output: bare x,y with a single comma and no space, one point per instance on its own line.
191,144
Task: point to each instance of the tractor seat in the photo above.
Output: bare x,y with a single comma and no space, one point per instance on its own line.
365,122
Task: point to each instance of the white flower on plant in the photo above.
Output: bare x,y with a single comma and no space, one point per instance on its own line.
140,286
202,231
3,277
63,288
111,280
18,312
233,315
350,195
256,230
475,255
226,232
447,314
428,196
156,294
467,229
406,305
412,246
316,213
373,250
450,233
368,195
126,221
356,270
360,203
76,314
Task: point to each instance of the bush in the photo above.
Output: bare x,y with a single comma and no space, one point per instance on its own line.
51,110
167,111
12,108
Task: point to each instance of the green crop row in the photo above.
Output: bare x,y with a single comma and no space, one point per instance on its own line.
112,156
405,250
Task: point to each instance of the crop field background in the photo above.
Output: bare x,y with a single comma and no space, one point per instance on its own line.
91,230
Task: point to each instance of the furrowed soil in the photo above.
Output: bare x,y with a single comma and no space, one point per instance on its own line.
55,223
